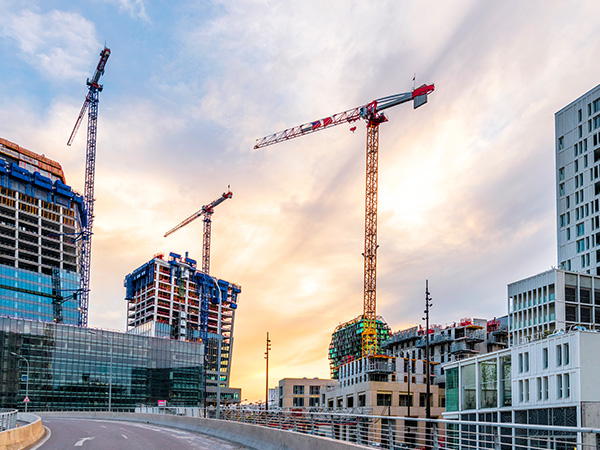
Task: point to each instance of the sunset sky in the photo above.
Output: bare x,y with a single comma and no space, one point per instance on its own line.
466,192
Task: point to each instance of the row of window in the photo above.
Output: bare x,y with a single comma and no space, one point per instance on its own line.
563,388
561,353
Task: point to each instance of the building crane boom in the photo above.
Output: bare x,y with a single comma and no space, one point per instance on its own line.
91,105
372,114
206,211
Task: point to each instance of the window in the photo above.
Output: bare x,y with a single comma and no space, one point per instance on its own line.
384,399
561,173
565,354
545,358
298,401
568,234
314,390
567,382
561,142
468,386
422,397
349,401
580,229
521,391
298,390
313,401
558,356
526,391
406,400
362,400
545,388
540,389
576,163
579,115
489,384
580,246
561,189
559,386
520,362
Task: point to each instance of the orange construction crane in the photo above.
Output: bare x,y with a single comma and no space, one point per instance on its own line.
372,114
206,211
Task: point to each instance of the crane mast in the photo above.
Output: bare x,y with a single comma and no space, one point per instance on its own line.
91,105
372,113
206,211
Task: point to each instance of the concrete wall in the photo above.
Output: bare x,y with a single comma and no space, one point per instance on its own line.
23,436
253,436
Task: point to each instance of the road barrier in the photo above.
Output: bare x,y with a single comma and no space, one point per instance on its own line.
22,436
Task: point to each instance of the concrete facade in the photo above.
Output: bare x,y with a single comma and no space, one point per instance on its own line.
301,392
551,381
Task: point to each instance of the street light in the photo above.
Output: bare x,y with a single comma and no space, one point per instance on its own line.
218,402
111,368
27,380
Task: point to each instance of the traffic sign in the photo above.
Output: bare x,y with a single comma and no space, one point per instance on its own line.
26,400
162,403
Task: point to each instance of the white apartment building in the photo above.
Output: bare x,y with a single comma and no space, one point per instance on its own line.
551,381
551,301
577,129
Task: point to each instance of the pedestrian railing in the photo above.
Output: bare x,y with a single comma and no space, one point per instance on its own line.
8,419
401,433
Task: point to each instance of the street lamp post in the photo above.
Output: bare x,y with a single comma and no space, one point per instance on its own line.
218,400
111,368
27,380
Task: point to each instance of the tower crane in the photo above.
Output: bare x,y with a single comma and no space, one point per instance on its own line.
372,114
206,211
91,105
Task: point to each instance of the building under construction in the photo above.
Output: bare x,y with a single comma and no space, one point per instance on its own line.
172,299
40,218
346,342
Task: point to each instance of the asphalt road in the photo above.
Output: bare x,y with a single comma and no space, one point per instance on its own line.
87,434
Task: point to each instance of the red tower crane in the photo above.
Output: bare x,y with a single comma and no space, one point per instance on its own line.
372,114
91,105
206,211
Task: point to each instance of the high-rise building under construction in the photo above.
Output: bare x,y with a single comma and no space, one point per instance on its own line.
40,218
172,299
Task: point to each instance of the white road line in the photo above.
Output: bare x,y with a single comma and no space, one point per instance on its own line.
80,442
44,439
124,436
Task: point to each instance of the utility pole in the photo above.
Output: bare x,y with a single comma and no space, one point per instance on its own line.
267,374
428,304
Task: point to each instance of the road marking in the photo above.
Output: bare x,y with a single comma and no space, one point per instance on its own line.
80,442
124,436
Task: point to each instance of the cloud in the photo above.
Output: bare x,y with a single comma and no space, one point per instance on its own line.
57,44
135,8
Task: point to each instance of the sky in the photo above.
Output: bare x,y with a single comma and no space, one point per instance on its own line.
466,182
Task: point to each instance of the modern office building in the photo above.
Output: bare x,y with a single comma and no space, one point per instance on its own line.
70,368
40,218
577,129
172,299
551,301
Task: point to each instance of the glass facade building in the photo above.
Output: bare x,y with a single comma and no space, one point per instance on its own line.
40,218
69,368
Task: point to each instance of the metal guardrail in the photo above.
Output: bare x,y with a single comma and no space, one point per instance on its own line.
401,433
8,419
